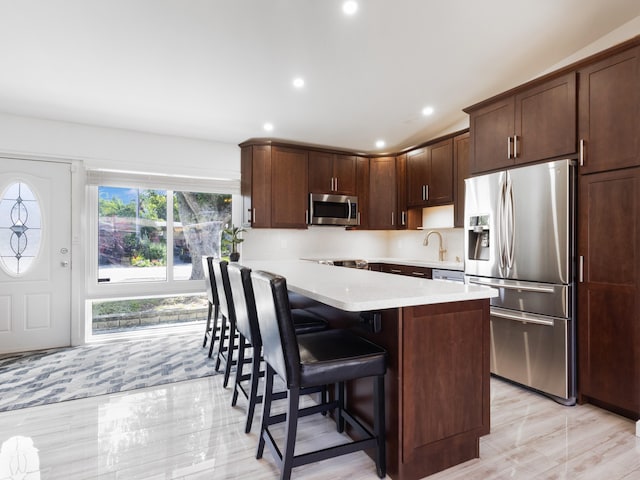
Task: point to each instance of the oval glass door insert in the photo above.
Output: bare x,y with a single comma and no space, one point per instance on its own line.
20,228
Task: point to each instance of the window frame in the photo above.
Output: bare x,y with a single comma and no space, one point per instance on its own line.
112,291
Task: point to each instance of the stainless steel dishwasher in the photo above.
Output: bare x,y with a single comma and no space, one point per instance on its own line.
451,275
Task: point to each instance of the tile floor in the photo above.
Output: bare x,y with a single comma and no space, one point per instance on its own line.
188,430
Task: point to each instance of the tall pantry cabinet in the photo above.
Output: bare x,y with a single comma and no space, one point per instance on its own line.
609,233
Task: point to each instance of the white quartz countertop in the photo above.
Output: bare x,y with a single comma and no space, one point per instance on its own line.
356,290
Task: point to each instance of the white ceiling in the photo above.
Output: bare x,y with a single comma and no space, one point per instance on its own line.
219,69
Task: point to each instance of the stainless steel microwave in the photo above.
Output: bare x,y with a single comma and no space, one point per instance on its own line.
325,209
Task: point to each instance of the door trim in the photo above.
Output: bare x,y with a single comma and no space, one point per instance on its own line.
78,237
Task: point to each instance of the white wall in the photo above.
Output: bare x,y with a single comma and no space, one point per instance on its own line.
336,242
115,149
316,242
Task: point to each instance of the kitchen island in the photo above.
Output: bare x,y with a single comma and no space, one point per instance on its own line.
437,337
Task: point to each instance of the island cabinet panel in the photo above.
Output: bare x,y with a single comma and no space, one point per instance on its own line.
289,201
609,113
609,291
437,386
536,124
382,193
332,173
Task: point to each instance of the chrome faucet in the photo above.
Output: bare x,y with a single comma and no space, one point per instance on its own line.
441,251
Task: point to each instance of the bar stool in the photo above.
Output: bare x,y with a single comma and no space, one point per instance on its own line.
323,358
247,325
211,331
228,330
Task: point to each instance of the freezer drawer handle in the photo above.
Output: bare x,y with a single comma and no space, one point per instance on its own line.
548,323
527,288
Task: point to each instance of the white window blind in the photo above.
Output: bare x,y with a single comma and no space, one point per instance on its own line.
113,178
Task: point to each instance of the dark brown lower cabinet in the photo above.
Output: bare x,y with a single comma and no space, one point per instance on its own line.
608,293
437,386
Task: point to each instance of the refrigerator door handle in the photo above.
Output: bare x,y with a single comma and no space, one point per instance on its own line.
524,288
510,224
521,317
500,227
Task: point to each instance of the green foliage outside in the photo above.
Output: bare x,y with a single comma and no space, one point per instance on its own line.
202,217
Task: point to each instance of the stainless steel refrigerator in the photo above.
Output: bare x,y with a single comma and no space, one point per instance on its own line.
520,239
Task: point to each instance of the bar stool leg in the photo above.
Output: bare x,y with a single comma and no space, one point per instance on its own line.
340,398
230,349
214,329
206,330
253,392
380,426
242,344
223,334
266,409
291,430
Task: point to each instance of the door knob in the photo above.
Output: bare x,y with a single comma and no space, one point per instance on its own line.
64,263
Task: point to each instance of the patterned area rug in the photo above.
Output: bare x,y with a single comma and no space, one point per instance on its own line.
50,376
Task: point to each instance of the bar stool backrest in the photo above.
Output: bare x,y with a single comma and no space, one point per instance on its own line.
207,267
222,287
244,303
279,344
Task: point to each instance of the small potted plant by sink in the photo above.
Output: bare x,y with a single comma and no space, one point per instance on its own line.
231,237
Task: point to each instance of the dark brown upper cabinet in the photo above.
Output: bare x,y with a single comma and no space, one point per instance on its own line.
274,186
332,173
401,181
382,193
430,175
534,124
289,195
460,172
609,113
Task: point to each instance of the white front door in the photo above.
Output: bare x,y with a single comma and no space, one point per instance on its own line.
35,255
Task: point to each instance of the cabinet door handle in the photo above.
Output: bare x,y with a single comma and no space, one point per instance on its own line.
582,152
404,218
581,269
508,147
393,219
306,217
253,219
423,194
426,192
336,189
515,146
395,271
418,274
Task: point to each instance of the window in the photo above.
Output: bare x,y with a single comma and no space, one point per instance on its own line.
135,227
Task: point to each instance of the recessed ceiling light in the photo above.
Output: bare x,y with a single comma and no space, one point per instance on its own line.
426,111
350,7
298,82
380,143
268,126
